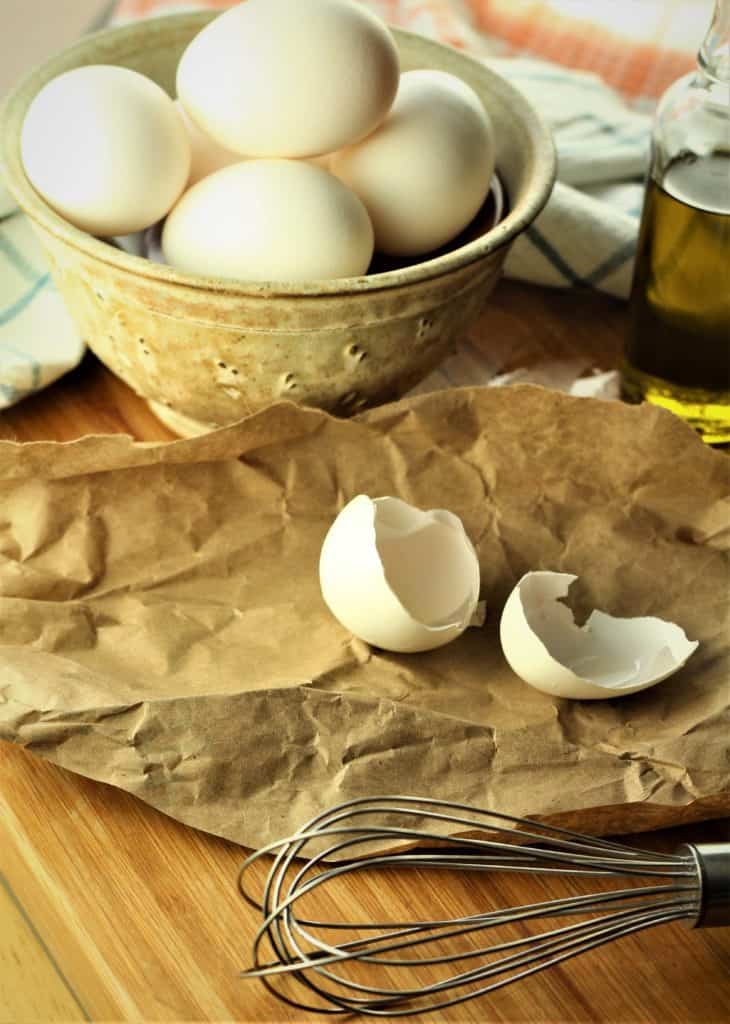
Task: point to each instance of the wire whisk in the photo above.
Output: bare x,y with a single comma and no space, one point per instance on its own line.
692,884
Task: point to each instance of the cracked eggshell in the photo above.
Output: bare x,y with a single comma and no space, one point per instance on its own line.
607,657
397,577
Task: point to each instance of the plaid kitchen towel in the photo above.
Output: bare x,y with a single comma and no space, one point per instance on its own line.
38,340
586,235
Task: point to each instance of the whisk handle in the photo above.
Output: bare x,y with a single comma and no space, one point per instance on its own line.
712,861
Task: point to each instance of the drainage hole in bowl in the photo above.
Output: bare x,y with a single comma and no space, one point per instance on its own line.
232,370
355,352
352,402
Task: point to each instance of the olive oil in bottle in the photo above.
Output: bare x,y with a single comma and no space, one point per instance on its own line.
678,347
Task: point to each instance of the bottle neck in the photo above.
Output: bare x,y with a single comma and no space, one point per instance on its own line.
714,54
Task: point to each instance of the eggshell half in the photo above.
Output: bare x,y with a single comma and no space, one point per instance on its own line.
424,173
269,220
398,577
106,148
278,78
607,657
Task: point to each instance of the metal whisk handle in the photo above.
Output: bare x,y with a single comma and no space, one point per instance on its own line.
712,861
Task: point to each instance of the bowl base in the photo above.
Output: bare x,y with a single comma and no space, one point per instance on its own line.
178,422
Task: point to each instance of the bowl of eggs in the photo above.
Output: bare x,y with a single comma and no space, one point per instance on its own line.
282,201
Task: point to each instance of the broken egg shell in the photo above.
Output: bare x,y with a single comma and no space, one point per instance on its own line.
607,657
398,577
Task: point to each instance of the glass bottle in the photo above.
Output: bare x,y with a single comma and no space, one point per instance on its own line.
678,347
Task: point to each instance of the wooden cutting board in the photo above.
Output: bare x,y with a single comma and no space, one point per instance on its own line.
111,911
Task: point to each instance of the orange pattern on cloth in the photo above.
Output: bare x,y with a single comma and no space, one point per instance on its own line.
632,67
147,8
442,22
635,67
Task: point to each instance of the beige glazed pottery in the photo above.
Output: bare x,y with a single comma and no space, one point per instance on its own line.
206,352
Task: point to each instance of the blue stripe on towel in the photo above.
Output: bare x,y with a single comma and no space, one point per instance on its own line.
26,357
10,312
613,262
11,393
616,140
547,76
608,266
16,257
552,255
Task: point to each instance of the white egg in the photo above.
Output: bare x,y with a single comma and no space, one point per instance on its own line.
269,220
398,577
206,155
321,161
273,78
425,171
106,148
607,657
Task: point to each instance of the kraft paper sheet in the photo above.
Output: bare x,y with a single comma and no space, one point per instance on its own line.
162,630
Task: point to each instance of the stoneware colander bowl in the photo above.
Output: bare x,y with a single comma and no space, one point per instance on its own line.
205,352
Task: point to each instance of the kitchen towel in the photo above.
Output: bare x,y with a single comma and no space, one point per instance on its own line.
585,237
38,339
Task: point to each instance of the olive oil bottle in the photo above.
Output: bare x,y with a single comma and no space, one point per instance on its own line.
678,347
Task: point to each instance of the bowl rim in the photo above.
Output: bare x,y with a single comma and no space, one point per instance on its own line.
17,101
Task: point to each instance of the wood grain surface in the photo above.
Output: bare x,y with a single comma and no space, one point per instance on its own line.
110,911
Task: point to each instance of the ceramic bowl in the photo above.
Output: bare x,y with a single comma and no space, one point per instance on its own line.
205,352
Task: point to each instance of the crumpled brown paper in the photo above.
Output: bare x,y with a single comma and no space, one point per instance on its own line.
162,630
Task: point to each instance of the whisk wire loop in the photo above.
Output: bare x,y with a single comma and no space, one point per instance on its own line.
359,836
